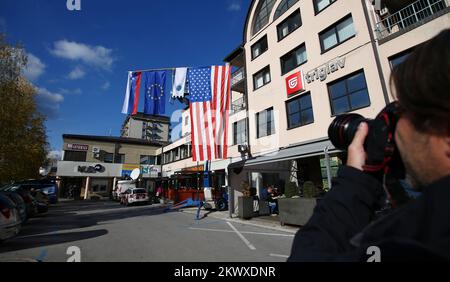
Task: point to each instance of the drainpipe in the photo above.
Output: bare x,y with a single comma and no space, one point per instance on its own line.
327,164
376,54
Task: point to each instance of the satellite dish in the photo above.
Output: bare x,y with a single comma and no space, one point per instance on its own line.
43,171
135,173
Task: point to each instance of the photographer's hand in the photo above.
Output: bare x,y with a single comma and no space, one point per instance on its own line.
356,155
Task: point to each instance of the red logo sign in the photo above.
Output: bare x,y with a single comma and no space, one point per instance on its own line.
294,83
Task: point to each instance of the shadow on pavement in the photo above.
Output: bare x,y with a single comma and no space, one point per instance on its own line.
73,215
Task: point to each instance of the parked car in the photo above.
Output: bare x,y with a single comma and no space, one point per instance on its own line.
31,205
49,189
10,223
20,205
135,196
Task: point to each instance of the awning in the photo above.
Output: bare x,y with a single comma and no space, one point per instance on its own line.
289,153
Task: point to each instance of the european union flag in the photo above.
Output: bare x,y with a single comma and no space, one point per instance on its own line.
155,93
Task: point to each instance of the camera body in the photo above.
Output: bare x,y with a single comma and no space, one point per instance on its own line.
383,158
380,141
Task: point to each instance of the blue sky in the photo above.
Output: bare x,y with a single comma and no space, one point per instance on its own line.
79,60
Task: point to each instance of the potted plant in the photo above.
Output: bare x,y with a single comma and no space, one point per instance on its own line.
294,209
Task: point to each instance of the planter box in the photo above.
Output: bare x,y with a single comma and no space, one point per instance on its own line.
296,211
245,207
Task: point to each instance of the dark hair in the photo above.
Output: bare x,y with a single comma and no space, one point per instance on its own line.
422,85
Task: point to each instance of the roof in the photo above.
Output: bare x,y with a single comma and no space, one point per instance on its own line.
145,117
112,139
236,52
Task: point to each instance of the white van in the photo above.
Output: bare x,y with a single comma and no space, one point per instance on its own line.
121,187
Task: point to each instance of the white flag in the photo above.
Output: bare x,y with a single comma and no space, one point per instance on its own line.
179,83
126,105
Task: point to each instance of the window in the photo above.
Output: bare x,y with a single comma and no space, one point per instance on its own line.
293,59
119,158
262,15
335,162
290,24
319,5
299,111
337,34
265,123
108,158
261,78
239,132
147,160
283,7
349,94
399,58
75,156
259,47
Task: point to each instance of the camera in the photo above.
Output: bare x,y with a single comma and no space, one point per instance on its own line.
380,141
383,158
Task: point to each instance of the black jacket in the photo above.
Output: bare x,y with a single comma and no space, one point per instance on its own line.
342,227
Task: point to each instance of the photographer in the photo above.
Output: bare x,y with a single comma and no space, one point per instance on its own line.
343,225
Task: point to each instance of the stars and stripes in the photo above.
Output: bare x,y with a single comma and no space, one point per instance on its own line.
209,92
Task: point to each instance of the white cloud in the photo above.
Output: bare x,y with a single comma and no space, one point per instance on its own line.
55,155
234,7
48,102
76,73
34,68
98,56
106,85
69,92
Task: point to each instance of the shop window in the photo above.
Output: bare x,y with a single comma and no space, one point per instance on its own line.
119,159
259,47
335,162
261,78
75,156
337,34
349,93
299,111
289,25
293,59
320,5
239,132
265,123
399,58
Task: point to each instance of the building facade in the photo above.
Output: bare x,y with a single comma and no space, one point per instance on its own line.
147,127
92,165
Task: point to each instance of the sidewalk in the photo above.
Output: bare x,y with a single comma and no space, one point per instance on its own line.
269,222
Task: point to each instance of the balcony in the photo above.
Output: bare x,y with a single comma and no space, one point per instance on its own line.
410,16
238,105
238,80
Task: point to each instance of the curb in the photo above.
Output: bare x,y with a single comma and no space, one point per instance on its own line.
292,230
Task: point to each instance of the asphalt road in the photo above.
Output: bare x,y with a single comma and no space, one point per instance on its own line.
106,231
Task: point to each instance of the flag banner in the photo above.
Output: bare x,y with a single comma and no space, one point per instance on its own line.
209,95
155,94
179,83
131,101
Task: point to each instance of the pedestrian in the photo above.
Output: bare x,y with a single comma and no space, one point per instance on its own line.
342,226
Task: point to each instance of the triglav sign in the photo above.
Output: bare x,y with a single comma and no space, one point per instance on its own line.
323,71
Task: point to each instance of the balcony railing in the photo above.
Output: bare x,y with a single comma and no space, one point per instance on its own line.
409,15
237,105
237,76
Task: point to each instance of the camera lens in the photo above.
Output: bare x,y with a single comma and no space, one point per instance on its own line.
343,129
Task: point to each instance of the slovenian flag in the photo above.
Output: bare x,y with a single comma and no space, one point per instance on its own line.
130,103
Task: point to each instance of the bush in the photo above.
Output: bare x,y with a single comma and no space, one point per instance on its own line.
291,190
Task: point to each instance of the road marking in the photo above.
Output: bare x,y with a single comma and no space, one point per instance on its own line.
242,237
243,232
279,256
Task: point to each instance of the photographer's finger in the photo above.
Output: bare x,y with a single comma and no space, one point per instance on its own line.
356,153
360,136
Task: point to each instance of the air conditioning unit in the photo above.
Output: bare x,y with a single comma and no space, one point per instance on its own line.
97,155
96,150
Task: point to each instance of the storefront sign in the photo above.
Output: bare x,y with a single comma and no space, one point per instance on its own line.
150,170
194,168
128,168
78,147
294,83
322,72
91,169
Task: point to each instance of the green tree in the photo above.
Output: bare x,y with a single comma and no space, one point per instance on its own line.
23,140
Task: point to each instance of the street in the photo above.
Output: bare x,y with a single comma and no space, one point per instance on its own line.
106,231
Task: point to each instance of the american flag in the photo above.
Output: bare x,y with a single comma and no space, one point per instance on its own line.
209,91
